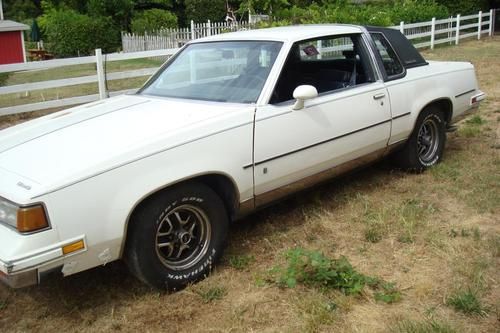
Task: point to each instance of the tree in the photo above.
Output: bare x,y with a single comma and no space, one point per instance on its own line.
152,20
464,7
203,10
69,33
21,10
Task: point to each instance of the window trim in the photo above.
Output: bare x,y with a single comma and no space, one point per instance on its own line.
380,61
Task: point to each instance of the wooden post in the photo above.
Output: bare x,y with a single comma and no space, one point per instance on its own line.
192,30
433,32
23,45
402,27
492,22
480,25
457,32
209,28
101,82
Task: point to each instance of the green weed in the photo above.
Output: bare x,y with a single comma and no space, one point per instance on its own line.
445,170
476,120
428,326
3,303
240,262
313,269
212,293
373,234
469,131
467,301
388,293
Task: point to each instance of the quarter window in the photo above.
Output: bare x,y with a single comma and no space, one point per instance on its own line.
391,62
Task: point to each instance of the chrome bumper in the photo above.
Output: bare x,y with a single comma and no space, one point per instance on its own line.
17,280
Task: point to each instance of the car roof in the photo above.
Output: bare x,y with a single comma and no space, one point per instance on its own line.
288,33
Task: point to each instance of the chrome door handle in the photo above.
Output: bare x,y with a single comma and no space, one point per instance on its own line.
379,96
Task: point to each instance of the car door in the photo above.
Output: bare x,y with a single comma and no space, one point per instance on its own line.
347,124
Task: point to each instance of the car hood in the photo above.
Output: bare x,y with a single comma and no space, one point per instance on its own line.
68,145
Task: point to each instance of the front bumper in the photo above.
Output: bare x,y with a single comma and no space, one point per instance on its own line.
19,280
28,270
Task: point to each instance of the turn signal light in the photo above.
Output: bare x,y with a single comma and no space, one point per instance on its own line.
73,247
31,219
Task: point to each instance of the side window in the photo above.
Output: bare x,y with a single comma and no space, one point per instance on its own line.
390,60
328,64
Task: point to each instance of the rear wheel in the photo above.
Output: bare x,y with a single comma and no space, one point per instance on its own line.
177,236
425,146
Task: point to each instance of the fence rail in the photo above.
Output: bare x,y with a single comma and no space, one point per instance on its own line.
175,38
166,42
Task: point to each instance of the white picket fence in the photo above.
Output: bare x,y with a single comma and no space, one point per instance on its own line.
173,38
99,78
425,34
450,30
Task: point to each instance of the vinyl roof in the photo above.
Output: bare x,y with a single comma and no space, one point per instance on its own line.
288,33
7,25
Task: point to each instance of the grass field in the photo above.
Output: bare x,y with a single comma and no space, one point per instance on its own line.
431,242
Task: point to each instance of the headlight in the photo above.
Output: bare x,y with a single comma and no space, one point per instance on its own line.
8,213
24,219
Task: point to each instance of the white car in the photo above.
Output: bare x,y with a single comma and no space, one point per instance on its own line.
229,124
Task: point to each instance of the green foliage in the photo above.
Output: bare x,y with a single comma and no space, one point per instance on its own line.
464,7
70,33
3,78
212,294
383,14
119,10
373,234
388,293
4,303
241,262
203,10
476,120
153,20
20,10
313,269
467,301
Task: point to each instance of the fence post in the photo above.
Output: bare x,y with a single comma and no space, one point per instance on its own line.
479,23
492,22
433,32
192,30
457,32
402,27
209,28
101,82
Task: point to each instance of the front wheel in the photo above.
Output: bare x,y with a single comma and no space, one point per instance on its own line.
425,146
177,236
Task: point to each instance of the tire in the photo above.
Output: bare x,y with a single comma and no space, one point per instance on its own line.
177,236
426,144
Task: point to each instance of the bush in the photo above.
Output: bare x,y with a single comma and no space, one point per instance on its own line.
390,13
153,20
71,34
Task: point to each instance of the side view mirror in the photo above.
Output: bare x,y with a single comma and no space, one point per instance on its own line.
303,93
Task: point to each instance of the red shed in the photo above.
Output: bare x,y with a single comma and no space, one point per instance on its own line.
12,42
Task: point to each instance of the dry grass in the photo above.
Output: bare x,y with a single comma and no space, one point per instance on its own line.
435,235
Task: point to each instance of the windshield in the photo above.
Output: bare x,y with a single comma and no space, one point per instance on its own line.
231,71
